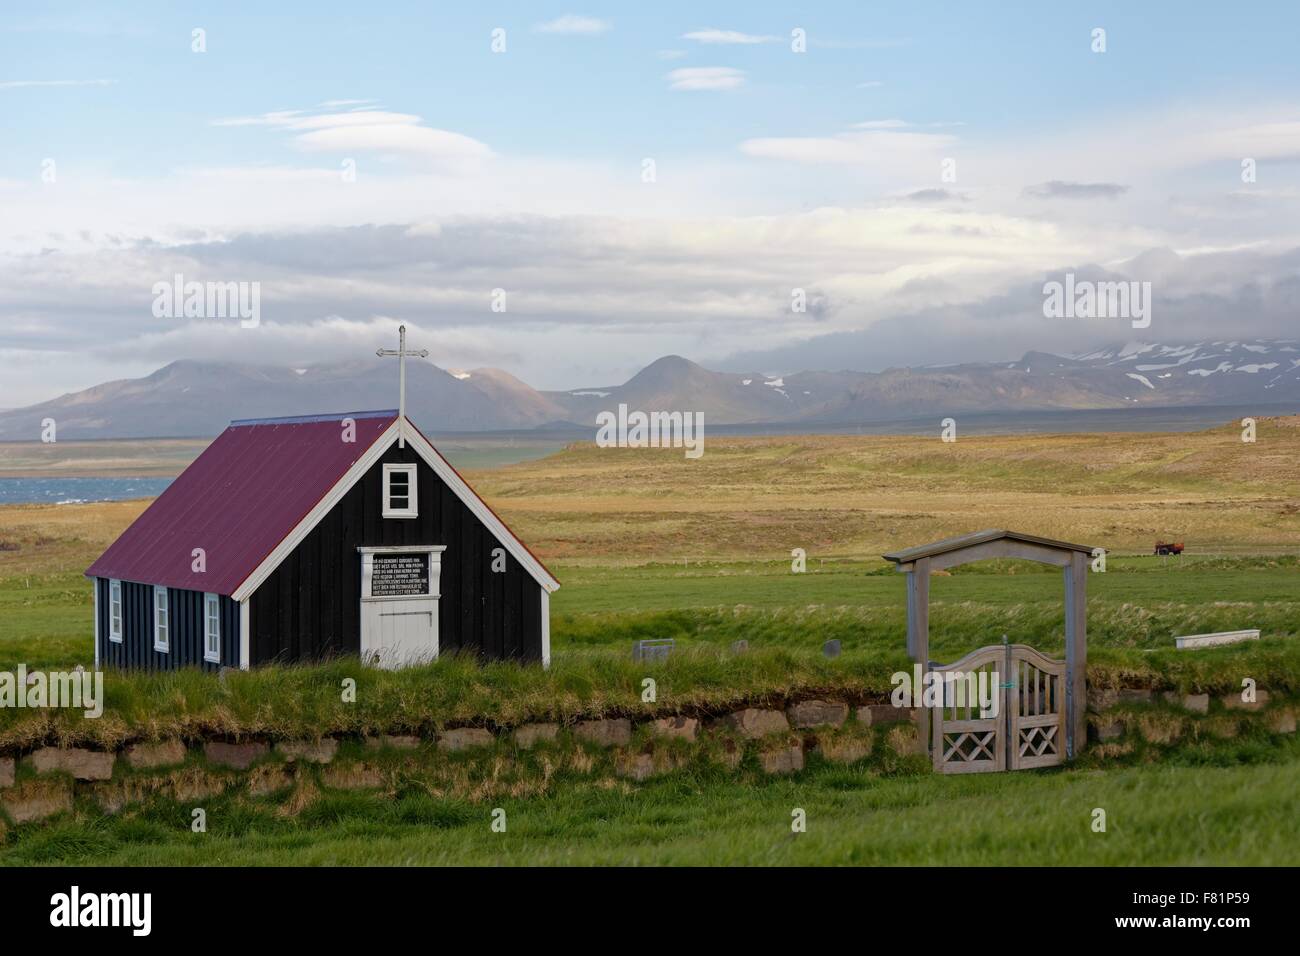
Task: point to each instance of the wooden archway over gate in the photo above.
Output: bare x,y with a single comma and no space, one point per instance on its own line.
918,563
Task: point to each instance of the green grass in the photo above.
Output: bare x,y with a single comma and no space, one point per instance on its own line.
1137,603
1241,813
1135,610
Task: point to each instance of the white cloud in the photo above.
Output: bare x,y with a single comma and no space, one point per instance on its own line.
870,85
369,131
574,25
882,124
18,84
727,37
671,54
606,274
438,144
881,144
706,78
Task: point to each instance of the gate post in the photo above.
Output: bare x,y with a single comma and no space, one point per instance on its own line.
918,639
1076,653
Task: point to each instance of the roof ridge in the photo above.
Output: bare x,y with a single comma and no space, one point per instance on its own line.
309,419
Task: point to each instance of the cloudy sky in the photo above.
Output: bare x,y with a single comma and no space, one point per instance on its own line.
640,179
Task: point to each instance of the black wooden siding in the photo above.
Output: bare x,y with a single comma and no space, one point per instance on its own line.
310,606
185,632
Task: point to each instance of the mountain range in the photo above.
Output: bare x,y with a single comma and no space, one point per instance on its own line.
194,398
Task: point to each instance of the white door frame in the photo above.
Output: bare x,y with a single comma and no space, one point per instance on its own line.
373,606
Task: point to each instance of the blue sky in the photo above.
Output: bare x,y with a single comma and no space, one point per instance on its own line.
522,170
995,68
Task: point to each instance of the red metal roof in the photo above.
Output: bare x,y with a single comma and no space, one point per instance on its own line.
238,501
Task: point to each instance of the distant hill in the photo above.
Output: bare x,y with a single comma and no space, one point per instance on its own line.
191,398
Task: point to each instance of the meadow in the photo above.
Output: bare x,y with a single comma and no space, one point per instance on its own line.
1190,812
648,544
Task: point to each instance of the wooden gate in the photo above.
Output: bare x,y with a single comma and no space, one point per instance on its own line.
1035,708
1028,729
964,741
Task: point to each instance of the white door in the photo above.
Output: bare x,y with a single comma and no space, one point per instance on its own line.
406,636
399,605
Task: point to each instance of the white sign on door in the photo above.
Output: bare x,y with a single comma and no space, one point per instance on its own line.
399,604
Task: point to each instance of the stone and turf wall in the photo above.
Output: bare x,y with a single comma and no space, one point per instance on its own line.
481,762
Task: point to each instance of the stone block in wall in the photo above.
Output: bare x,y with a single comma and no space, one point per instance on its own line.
870,715
80,763
308,751
606,733
682,728
237,756
1281,721
788,759
463,738
1195,703
817,713
1233,701
146,756
753,722
6,771
36,800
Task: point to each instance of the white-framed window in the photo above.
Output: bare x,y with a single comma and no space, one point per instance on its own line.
212,628
161,620
115,611
400,492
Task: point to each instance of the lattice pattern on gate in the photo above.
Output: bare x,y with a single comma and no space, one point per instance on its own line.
1028,729
1037,708
964,740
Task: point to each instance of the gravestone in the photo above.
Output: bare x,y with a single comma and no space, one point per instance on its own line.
831,648
657,649
740,647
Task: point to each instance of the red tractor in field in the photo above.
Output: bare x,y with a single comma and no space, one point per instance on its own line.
1169,547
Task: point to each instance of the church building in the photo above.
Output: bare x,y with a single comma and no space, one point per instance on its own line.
297,539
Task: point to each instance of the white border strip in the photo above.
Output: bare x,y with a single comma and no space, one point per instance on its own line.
95,583
546,628
245,638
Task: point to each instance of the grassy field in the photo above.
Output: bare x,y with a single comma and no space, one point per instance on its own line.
157,457
648,544
167,457
857,496
1191,811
